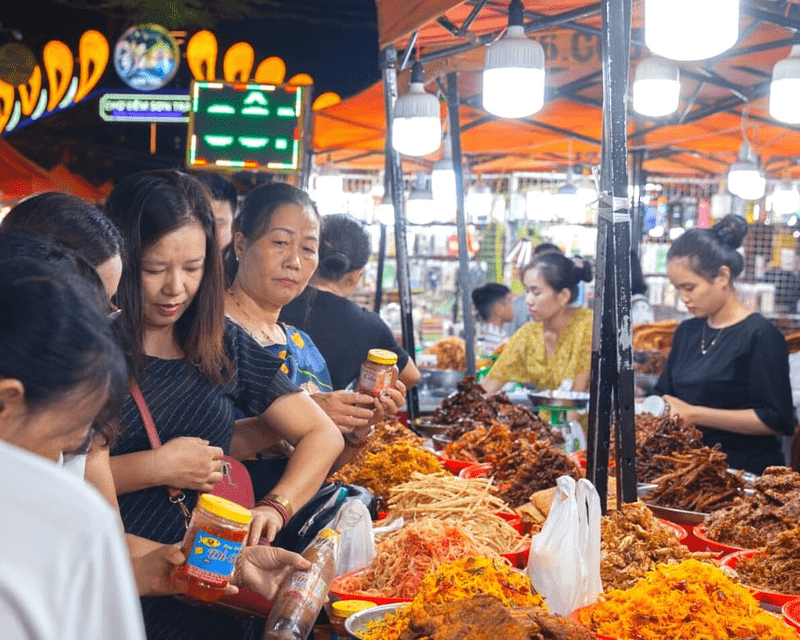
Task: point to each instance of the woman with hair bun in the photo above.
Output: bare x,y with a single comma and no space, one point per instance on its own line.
557,345
728,369
342,330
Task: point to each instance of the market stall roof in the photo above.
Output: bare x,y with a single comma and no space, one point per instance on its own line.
73,183
20,177
721,98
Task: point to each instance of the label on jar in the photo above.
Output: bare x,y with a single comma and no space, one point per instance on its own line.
374,381
211,557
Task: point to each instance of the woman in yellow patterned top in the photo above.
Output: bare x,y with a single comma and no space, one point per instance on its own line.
557,345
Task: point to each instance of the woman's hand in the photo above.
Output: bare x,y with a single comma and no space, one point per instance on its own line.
389,403
679,409
188,463
266,524
347,409
263,569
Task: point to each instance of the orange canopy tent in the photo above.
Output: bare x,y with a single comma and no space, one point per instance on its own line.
20,177
72,183
721,98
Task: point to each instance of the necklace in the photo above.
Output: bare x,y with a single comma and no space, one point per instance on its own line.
703,348
264,333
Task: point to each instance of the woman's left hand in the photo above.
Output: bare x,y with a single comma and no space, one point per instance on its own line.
679,409
266,523
389,403
263,568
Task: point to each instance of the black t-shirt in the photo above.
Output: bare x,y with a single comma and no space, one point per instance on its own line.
747,367
342,330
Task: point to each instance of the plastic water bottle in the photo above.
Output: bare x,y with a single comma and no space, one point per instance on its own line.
303,592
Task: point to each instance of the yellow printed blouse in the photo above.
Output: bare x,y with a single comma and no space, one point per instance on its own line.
524,359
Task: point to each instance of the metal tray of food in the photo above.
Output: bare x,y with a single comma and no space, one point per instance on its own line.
678,516
557,398
359,622
430,429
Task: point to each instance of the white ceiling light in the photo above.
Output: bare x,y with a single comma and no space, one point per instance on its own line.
786,198
329,186
443,180
656,88
420,204
384,212
513,72
416,122
784,90
744,177
690,29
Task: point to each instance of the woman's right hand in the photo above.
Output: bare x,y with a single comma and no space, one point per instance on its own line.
188,463
348,410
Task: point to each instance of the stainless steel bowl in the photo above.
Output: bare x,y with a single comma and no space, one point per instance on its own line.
561,399
440,442
430,429
439,382
357,623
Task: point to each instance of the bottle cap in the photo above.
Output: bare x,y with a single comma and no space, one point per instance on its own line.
382,356
654,405
224,508
346,608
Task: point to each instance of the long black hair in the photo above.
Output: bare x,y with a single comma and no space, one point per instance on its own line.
707,250
146,206
561,272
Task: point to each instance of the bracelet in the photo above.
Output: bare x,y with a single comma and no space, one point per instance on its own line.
277,506
281,500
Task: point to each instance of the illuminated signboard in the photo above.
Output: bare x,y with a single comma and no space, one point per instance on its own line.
145,107
246,126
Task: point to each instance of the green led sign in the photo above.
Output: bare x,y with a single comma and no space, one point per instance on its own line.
246,126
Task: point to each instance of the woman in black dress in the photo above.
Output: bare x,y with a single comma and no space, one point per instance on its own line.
728,369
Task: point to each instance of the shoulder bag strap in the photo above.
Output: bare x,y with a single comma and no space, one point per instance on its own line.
176,496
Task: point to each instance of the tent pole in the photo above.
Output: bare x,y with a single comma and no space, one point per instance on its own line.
611,400
394,171
461,221
638,179
379,278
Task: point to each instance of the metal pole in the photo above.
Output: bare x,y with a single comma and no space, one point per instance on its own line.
379,278
638,179
461,221
612,370
394,171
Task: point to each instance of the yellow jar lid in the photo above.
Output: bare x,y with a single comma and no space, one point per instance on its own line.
382,356
224,508
346,608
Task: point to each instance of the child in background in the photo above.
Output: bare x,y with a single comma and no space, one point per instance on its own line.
494,304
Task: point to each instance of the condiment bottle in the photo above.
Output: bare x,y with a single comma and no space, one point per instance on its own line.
343,609
377,372
217,531
303,592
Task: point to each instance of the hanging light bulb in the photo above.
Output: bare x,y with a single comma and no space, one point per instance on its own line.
420,204
478,203
384,212
745,179
690,29
784,90
513,72
416,122
656,88
329,188
786,197
443,180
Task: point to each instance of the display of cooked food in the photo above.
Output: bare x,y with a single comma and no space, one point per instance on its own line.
633,542
473,504
654,336
684,601
450,352
661,436
391,465
529,466
699,481
777,569
469,408
649,362
756,519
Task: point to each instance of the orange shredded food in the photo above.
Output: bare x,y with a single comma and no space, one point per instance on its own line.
687,601
405,557
457,580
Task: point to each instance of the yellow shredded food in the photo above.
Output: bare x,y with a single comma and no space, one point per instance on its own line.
457,580
687,601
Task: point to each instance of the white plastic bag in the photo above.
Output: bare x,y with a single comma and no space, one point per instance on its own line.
564,562
357,541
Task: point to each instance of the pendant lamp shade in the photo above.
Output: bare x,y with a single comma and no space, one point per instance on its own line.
513,72
443,179
786,198
690,29
656,88
420,205
745,179
784,91
416,122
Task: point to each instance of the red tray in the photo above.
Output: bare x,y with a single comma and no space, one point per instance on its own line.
769,597
680,532
721,548
336,590
475,470
791,613
454,466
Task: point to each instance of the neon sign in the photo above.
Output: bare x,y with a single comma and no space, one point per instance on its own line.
145,107
246,126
